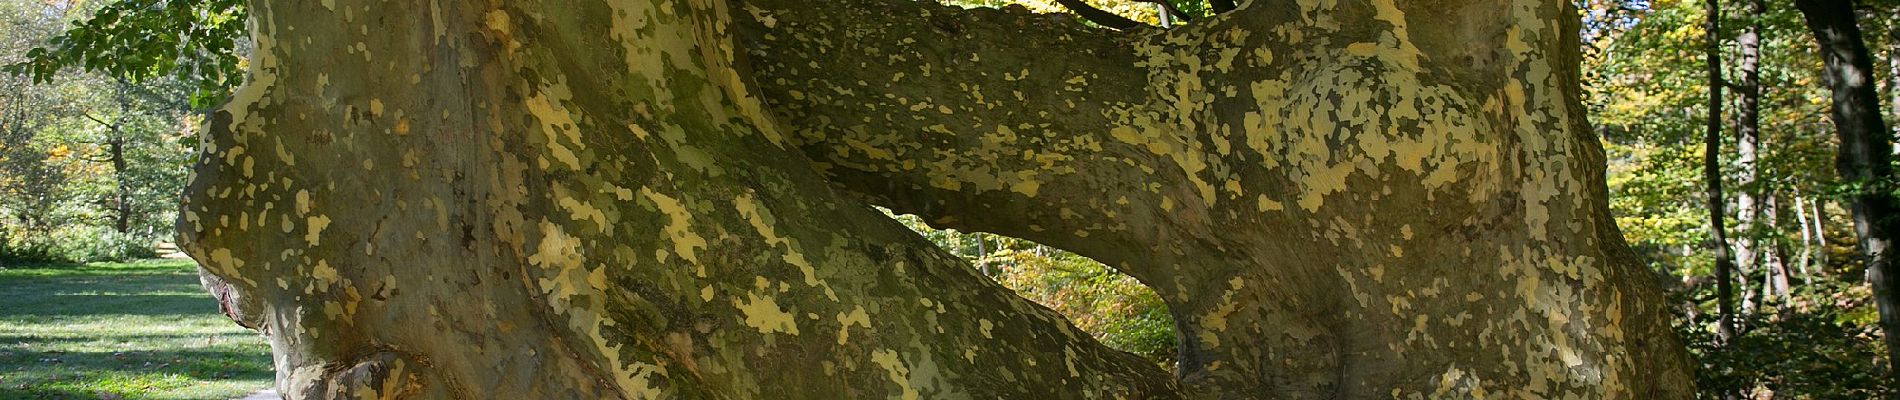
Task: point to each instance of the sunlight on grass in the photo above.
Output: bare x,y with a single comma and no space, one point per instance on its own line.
140,330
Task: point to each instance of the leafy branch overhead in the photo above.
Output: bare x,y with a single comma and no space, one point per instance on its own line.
194,40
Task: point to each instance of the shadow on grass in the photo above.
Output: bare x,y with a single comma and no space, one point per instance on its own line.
44,268
128,330
195,363
12,340
9,264
120,304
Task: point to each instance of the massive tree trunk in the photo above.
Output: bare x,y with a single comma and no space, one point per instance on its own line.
1866,154
635,198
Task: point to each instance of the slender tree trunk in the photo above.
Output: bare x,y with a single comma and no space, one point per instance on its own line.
1823,257
981,254
121,181
661,199
1893,72
1775,263
1866,155
1712,176
1808,246
121,191
1750,253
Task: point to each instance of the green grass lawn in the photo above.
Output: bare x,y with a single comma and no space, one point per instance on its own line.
138,330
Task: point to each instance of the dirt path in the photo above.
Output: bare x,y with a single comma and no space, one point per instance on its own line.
170,251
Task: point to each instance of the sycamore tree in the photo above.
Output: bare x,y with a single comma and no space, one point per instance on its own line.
673,199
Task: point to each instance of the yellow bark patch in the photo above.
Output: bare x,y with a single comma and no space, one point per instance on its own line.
763,313
583,211
679,226
557,123
325,274
898,373
315,226
762,221
559,254
846,320
303,202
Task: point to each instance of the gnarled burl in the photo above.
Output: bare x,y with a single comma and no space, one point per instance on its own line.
672,199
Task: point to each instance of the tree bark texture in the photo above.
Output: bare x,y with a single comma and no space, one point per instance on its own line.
1775,262
646,199
1749,253
1893,75
1712,176
1866,155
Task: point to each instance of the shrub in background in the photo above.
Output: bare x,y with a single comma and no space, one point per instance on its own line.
1115,308
78,244
1822,346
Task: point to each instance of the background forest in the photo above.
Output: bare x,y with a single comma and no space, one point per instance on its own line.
96,132
91,164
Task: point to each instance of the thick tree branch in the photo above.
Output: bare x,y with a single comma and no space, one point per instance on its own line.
981,119
585,195
1236,166
1099,16
1221,6
1336,200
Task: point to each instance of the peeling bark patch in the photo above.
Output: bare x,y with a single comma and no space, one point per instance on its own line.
763,313
845,321
899,374
761,220
679,226
315,226
1256,157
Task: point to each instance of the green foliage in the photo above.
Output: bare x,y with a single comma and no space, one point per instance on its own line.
194,41
1113,307
1824,347
76,244
1647,86
81,154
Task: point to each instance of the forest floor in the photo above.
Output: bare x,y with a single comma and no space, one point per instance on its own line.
137,330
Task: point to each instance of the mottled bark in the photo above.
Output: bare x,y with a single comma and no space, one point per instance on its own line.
531,200
1336,201
601,199
1866,154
